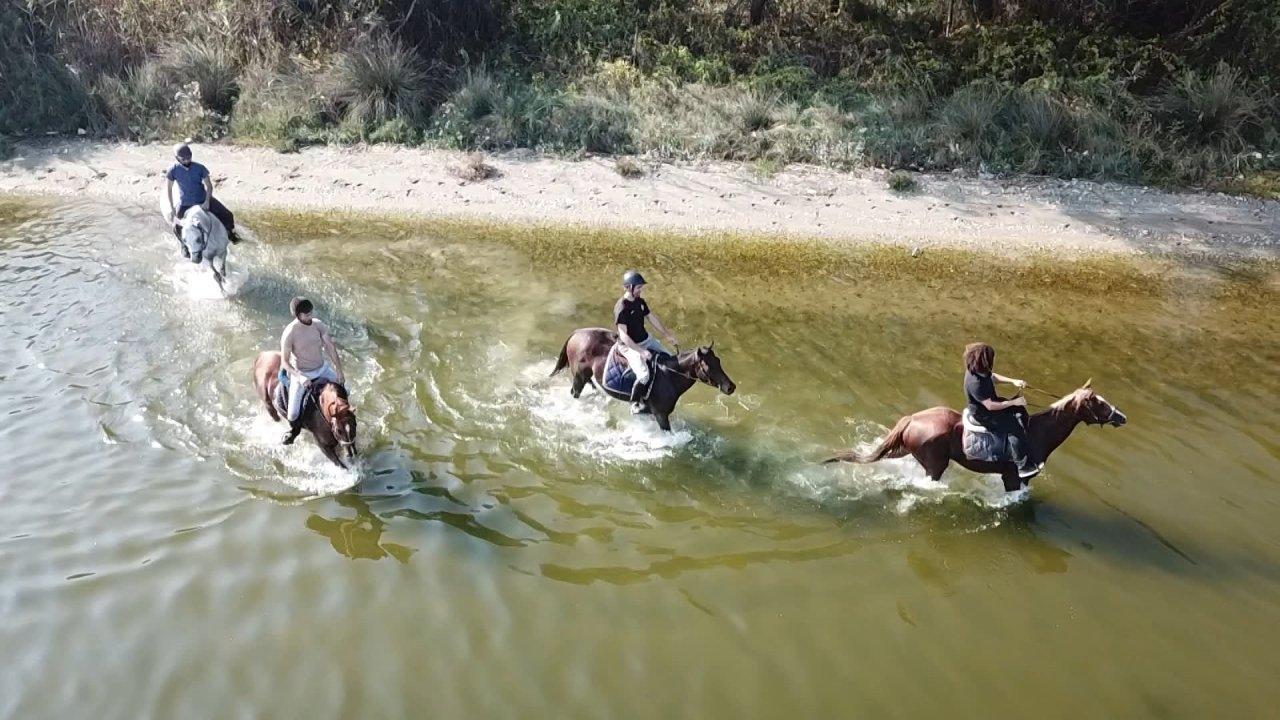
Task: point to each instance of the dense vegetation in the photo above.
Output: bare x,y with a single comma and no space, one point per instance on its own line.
1170,91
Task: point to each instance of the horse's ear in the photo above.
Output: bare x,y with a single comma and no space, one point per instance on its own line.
712,346
1087,384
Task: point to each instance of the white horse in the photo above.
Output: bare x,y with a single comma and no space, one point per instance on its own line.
206,240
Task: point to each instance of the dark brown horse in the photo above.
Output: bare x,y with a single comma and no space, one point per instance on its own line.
333,427
586,350
934,436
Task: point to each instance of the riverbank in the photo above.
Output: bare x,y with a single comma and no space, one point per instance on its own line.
1008,216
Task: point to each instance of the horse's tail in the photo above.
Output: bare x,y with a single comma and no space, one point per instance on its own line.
563,362
889,447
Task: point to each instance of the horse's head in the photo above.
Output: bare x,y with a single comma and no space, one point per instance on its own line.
706,367
1092,409
196,226
340,417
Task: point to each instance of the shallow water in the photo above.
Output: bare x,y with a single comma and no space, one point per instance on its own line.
506,551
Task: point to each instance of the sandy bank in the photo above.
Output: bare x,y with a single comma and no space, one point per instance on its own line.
1012,216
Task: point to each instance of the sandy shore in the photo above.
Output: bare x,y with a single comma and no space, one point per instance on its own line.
1011,216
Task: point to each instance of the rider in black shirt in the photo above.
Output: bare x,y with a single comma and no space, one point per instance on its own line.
998,415
636,344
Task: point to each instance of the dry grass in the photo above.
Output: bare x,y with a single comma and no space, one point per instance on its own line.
902,181
473,168
627,167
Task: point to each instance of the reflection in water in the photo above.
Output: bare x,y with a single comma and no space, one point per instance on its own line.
359,537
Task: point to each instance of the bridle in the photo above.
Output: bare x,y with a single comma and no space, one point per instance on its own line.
1101,421
204,236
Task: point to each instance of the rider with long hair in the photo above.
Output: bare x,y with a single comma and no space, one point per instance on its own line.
995,413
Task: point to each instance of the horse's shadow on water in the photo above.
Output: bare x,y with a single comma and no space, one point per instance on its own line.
1125,539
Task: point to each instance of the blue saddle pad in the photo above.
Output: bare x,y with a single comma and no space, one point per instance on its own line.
618,377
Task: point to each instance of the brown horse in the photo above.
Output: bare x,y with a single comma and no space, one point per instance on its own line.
933,436
586,350
333,426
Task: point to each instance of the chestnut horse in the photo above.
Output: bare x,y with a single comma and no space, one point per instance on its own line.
586,350
934,436
333,426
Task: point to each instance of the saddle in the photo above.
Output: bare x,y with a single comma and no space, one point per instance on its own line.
981,443
310,400
620,378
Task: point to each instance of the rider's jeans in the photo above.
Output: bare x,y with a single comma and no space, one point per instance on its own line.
297,386
636,361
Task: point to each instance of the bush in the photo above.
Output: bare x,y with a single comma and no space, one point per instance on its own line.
1211,109
473,168
592,123
279,105
138,104
210,67
968,122
901,181
627,167
488,112
378,80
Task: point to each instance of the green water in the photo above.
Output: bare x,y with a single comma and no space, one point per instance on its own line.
507,551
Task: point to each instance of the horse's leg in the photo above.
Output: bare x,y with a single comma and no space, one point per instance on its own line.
218,274
934,456
579,382
663,418
1010,477
331,452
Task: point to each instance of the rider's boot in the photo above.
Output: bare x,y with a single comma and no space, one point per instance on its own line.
638,393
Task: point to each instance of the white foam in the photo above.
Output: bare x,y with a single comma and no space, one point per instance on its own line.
594,424
305,468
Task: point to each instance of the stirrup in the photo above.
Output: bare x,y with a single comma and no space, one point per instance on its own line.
1034,471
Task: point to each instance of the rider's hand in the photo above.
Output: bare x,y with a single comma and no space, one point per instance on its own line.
1020,384
672,339
646,354
1019,402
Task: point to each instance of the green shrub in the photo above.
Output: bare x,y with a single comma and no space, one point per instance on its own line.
208,65
969,122
902,181
139,104
627,167
377,80
279,105
592,123
1218,108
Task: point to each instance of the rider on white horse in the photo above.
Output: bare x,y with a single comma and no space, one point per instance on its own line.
635,343
194,188
307,353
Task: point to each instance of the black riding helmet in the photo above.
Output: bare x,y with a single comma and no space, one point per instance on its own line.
300,305
631,277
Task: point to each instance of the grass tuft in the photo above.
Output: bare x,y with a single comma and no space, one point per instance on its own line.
627,167
902,181
473,168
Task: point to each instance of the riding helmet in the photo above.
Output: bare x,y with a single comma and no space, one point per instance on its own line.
182,151
631,277
300,305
